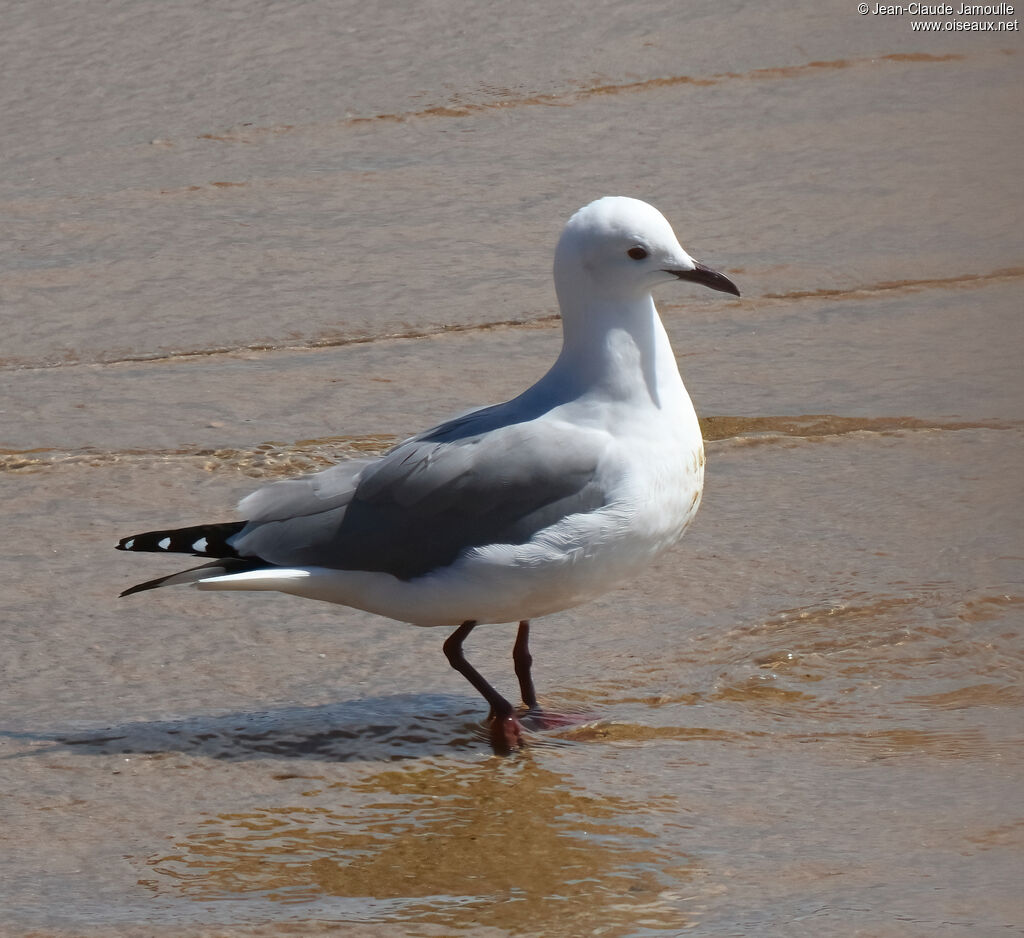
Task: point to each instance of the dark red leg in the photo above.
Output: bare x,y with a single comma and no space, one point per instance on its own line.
535,718
506,731
523,661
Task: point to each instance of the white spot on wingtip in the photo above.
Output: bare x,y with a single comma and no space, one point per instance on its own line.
164,544
199,545
129,544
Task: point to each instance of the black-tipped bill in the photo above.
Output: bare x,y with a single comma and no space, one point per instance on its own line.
708,277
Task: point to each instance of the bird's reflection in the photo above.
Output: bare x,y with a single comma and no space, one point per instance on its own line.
509,844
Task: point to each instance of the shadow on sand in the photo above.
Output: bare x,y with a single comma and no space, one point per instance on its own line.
400,726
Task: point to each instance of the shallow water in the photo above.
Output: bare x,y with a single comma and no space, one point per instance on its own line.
247,241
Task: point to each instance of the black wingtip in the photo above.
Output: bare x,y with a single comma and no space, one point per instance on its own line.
142,587
201,540
194,574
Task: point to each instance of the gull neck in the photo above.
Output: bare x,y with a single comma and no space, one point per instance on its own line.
615,348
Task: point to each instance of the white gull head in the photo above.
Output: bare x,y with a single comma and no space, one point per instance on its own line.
611,254
619,249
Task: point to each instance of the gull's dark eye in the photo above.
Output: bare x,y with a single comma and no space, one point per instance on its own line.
638,254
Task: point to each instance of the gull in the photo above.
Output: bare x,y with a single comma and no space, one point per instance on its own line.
509,512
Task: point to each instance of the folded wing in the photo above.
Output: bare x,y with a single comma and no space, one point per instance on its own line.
467,483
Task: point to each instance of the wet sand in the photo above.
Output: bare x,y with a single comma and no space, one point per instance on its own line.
245,242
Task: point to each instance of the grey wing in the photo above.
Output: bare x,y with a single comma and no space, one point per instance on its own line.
306,495
462,485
